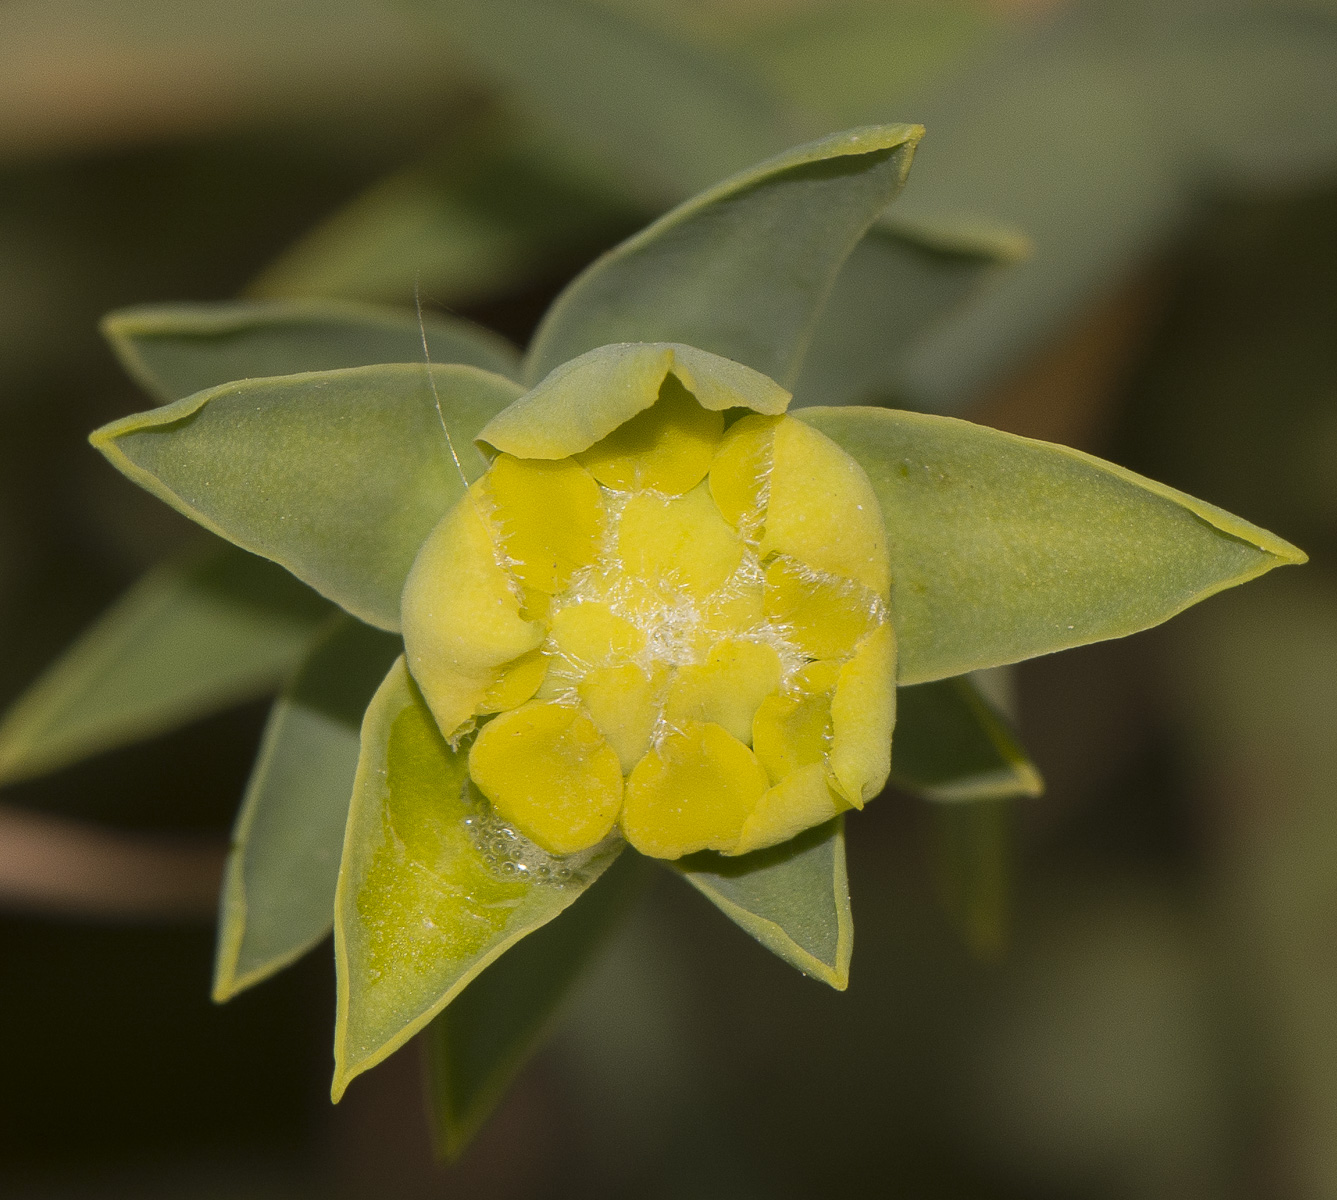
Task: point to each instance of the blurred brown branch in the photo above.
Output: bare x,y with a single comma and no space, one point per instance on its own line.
74,868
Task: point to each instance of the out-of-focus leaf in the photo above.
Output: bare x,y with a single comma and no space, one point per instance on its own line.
477,1046
972,870
190,638
675,116
1003,548
893,291
496,210
278,892
176,350
337,475
954,748
793,898
1129,122
1255,680
899,285
972,860
847,63
1257,89
431,888
951,744
741,270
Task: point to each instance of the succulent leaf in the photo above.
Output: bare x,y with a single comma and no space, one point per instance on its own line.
193,636
337,475
741,270
793,898
176,350
1002,548
278,890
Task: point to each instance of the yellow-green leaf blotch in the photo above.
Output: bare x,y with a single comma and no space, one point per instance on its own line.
432,888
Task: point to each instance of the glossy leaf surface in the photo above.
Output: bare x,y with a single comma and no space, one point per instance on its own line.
176,350
794,899
278,892
426,899
1003,548
337,475
952,744
190,638
741,270
477,1046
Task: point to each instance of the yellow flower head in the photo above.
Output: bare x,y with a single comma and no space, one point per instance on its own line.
657,617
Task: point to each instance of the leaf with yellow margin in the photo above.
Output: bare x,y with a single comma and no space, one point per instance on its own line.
793,898
1003,548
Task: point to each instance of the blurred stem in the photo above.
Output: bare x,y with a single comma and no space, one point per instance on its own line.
54,865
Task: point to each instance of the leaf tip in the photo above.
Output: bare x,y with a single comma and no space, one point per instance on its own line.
838,979
450,1140
103,438
1291,556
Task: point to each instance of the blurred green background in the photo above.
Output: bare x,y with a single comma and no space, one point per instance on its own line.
1164,1022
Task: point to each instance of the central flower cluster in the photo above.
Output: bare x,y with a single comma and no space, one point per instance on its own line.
682,631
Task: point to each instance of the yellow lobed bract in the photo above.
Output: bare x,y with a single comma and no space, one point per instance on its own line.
667,448
822,510
727,688
694,791
461,615
548,771
678,543
549,517
683,633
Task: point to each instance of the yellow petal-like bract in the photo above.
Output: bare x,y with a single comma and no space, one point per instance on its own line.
550,773
681,633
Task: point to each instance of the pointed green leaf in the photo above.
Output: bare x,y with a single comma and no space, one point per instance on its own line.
477,1046
793,898
952,744
337,475
278,891
1003,548
972,860
897,285
741,270
176,350
684,117
432,888
190,638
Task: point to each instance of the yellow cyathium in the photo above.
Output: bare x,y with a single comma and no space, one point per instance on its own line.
680,632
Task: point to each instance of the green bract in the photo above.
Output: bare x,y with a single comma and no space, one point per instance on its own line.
642,602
